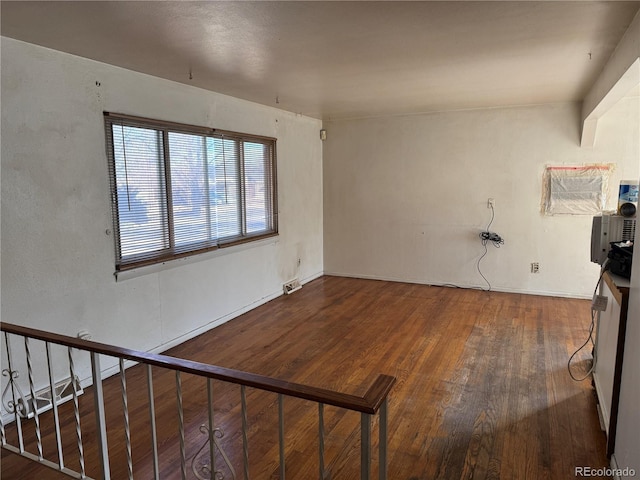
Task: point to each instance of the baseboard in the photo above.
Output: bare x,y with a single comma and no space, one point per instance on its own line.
544,293
115,369
618,472
225,318
604,414
614,467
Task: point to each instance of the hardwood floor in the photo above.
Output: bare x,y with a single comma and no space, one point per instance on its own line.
482,387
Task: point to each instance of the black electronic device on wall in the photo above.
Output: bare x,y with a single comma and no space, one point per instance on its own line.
620,259
607,229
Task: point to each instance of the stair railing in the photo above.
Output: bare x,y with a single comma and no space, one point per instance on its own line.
21,407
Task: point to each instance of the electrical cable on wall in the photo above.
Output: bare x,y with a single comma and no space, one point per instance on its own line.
488,236
591,329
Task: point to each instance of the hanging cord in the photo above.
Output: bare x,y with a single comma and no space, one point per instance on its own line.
486,237
590,337
484,244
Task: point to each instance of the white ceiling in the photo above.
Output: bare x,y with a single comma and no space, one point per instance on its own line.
344,59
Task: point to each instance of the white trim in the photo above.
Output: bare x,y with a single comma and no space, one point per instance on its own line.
544,293
604,414
110,371
614,466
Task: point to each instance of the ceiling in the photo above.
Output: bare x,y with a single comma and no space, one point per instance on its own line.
334,60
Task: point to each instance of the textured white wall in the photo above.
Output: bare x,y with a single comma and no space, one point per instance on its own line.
57,260
405,197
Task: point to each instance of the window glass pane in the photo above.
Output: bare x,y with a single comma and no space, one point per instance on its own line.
189,189
226,186
256,168
139,178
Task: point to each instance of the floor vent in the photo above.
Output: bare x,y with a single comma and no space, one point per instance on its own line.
63,392
291,286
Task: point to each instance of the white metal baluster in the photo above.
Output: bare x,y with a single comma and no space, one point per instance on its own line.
3,434
54,405
34,403
101,424
16,406
76,412
365,446
245,440
125,410
382,445
212,439
152,422
183,462
281,433
321,439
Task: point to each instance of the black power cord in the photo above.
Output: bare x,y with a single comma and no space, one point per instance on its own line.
491,237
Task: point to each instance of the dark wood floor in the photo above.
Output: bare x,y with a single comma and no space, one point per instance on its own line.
482,387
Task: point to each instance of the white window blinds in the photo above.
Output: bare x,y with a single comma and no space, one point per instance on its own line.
179,190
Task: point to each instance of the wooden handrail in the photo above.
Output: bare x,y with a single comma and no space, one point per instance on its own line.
369,403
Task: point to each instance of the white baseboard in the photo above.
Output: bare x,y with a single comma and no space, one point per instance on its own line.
110,371
224,319
603,412
614,466
543,293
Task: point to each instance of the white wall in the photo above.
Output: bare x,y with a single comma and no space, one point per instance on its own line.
57,260
405,197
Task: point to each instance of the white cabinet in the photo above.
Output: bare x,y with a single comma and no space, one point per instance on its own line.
609,351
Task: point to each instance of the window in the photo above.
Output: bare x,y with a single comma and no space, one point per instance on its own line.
179,190
575,190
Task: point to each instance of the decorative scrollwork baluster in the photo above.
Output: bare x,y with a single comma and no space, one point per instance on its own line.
200,469
13,405
13,399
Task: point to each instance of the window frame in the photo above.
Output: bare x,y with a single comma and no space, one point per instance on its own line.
164,128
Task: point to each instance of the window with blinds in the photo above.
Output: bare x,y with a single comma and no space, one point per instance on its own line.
180,190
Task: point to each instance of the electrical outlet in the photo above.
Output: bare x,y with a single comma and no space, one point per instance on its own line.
491,203
535,267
